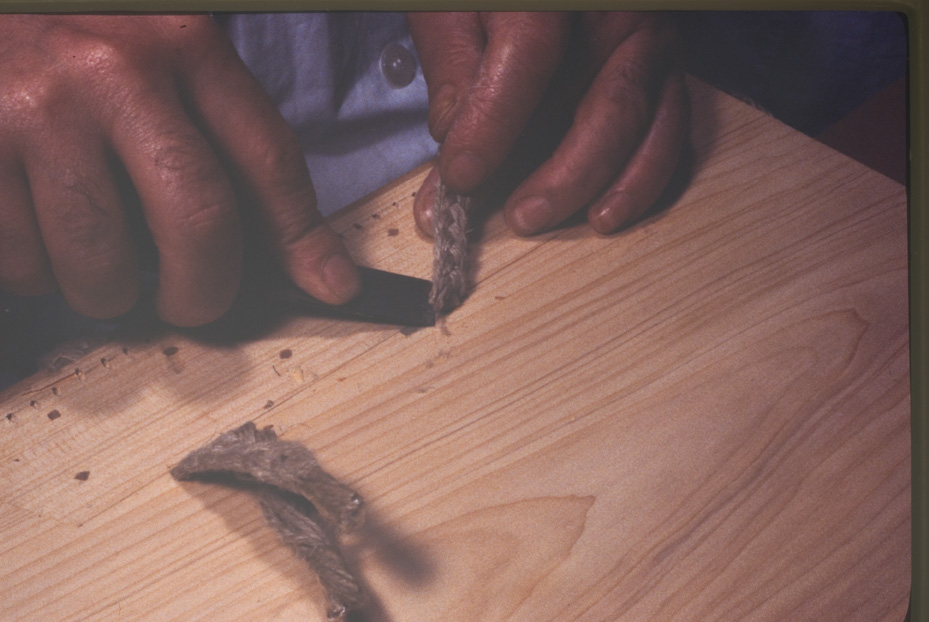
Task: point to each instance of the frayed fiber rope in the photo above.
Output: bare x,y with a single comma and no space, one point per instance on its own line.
450,250
307,507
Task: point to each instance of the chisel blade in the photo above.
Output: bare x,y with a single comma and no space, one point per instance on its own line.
385,298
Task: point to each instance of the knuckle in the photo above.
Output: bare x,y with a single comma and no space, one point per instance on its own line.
81,216
489,110
187,172
28,103
443,107
626,90
41,92
86,231
283,168
176,154
94,250
95,58
193,190
210,217
293,235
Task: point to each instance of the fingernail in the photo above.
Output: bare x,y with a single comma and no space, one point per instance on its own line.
424,220
603,219
531,215
465,171
611,213
341,277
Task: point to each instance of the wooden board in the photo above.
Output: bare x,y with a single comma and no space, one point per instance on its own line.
704,417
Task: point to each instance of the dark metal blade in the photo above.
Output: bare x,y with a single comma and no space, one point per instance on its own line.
385,298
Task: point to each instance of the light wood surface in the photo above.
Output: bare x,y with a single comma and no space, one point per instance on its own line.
704,417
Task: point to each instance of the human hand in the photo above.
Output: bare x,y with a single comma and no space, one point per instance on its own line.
166,101
609,79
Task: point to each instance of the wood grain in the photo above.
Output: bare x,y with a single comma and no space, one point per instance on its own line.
704,417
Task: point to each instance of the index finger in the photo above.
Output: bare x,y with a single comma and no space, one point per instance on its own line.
450,46
521,54
253,136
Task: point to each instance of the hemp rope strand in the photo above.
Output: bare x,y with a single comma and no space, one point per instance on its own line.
313,541
306,506
450,249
